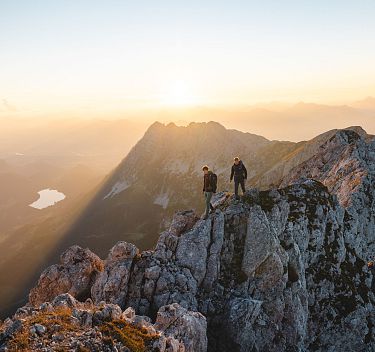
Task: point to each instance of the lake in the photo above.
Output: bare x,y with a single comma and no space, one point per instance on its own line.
47,197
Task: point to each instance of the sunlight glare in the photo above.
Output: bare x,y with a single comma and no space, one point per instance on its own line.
179,93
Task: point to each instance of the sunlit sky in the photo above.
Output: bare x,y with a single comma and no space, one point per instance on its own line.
113,55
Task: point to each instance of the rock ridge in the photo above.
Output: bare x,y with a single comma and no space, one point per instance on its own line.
282,270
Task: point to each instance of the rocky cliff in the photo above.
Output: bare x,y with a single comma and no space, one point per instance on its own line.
284,269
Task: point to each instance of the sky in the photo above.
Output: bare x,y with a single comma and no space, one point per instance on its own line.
84,56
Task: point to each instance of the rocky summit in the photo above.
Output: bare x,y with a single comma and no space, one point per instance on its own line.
282,269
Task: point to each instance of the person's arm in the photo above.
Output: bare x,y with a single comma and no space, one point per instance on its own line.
231,173
244,171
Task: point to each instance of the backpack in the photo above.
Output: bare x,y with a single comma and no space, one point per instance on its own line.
213,182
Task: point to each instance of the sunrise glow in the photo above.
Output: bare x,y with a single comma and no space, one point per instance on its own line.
178,94
80,58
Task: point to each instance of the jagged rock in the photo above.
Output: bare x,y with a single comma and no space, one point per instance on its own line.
213,255
63,300
240,321
128,314
111,284
182,222
75,275
188,327
191,250
106,313
260,242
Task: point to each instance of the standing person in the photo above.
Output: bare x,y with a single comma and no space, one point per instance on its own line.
209,187
240,175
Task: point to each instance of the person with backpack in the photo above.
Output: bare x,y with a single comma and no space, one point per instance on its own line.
239,173
209,187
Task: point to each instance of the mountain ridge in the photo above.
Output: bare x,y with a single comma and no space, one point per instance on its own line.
314,233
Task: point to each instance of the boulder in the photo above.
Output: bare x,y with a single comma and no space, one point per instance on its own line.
75,275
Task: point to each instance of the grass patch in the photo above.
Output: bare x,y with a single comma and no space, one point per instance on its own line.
135,338
61,316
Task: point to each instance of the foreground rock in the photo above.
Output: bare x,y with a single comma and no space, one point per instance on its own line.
75,274
68,325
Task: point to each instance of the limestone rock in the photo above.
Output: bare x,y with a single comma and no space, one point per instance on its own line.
112,283
188,327
75,275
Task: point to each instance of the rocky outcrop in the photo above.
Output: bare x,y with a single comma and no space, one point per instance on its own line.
68,325
112,283
75,274
188,327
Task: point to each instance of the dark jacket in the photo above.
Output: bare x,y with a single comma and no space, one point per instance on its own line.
207,186
238,171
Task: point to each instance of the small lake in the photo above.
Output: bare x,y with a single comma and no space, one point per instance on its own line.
47,197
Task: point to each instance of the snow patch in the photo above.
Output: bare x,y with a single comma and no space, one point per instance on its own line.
117,188
162,199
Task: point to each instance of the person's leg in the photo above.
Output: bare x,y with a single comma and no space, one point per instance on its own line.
243,186
205,202
236,188
207,198
209,206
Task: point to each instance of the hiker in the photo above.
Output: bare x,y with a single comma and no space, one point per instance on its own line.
239,173
209,187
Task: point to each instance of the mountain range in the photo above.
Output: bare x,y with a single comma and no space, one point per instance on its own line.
283,269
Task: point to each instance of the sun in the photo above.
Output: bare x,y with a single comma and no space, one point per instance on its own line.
179,93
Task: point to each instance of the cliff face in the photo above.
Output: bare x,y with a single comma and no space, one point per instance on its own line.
281,270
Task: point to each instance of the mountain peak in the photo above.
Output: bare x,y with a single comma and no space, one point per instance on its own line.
367,104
